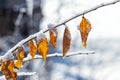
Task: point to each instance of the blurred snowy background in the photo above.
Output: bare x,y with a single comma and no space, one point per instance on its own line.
20,18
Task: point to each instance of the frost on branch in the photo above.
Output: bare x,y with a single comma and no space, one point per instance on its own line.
8,62
29,58
20,74
6,57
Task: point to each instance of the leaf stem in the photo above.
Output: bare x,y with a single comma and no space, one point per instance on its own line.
24,41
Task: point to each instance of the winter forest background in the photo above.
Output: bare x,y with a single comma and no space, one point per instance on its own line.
20,18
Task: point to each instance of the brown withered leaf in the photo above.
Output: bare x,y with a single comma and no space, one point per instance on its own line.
85,28
7,69
42,45
53,36
22,54
20,57
18,64
11,69
33,48
11,66
66,41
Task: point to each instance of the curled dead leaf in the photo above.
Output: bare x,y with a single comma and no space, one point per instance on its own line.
33,48
20,57
66,41
84,28
53,35
42,45
7,69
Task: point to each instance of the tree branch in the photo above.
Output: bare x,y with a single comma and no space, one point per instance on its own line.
5,57
20,74
29,58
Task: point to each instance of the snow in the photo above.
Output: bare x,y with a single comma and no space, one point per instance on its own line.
7,56
50,26
34,42
54,30
102,19
20,74
40,36
103,39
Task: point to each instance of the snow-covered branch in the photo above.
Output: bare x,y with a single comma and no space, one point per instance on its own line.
20,74
26,73
29,58
22,42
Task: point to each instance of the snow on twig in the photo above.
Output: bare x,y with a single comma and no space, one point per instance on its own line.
28,58
22,42
26,73
20,74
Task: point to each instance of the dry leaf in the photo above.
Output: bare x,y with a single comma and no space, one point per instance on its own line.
53,36
21,54
11,69
20,57
66,41
33,48
85,28
7,69
42,45
18,64
11,66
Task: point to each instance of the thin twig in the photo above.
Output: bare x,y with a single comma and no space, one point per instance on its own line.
46,29
26,73
20,74
29,58
86,11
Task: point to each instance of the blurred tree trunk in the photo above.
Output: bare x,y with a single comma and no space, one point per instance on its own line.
10,9
7,16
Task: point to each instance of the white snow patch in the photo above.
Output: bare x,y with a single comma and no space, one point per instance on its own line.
40,36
